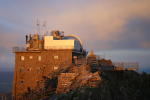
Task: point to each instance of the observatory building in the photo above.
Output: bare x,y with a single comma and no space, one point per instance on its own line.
42,56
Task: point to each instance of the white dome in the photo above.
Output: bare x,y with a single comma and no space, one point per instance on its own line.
73,37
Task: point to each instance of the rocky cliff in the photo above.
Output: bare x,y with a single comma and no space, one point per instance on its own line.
108,85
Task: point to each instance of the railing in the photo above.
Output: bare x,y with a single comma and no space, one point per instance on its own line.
121,65
101,56
6,96
41,37
98,57
127,65
58,47
106,64
34,95
60,33
80,60
18,48
97,60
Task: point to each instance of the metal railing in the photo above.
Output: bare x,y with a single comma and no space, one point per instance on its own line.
41,37
6,96
98,57
80,60
101,56
19,48
106,64
126,65
97,60
121,65
60,33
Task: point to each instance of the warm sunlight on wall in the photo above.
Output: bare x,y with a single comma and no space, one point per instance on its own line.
49,43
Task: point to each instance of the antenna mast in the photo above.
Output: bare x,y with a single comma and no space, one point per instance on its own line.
45,27
37,27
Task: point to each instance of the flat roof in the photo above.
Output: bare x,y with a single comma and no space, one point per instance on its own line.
24,51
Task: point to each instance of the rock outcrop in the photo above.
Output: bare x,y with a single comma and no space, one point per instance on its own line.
112,85
72,79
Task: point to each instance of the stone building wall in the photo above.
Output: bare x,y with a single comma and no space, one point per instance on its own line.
29,76
50,61
53,58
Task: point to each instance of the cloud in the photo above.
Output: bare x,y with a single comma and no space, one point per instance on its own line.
105,23
9,41
12,34
109,24
101,25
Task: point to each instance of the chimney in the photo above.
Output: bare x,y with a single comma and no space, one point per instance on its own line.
30,36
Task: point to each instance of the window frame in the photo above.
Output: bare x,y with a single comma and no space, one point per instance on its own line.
21,82
22,58
55,57
38,70
31,57
56,67
29,69
39,45
21,70
39,57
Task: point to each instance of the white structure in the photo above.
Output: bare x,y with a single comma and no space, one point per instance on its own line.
51,43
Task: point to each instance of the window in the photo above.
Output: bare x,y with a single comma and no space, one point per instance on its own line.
21,70
39,58
38,70
29,69
31,57
21,82
74,57
22,57
55,57
39,45
55,68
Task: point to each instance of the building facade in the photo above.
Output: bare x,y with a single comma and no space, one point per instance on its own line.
42,56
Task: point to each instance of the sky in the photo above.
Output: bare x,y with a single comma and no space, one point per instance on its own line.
120,28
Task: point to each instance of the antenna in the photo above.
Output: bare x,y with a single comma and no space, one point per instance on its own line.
37,27
42,29
45,27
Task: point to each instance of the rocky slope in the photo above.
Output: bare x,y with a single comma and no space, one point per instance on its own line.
112,85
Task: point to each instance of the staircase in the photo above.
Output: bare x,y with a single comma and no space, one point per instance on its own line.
92,62
80,61
65,80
